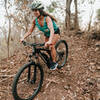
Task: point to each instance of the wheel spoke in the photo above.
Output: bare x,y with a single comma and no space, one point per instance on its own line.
61,53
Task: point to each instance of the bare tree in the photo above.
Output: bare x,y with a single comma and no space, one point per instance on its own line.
98,15
76,23
68,13
89,25
9,30
91,15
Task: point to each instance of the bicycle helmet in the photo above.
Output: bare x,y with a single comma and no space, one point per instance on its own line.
36,5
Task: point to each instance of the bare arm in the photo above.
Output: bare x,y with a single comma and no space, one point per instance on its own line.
50,26
30,30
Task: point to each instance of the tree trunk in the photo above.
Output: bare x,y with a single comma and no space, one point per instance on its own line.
76,24
92,11
89,26
9,31
67,19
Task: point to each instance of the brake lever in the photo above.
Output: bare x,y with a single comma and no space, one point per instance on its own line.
42,44
24,43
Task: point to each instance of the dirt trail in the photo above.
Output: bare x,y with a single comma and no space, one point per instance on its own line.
75,81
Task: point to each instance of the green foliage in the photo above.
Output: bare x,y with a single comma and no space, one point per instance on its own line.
98,14
54,4
52,7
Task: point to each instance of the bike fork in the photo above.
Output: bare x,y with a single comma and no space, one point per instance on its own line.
34,75
29,73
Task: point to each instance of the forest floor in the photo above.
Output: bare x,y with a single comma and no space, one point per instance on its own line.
77,80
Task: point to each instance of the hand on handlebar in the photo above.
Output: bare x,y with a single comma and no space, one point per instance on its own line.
48,43
21,40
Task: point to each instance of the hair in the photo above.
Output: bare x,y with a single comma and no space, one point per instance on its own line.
47,14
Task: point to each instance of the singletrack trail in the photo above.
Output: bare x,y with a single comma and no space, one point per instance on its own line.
77,80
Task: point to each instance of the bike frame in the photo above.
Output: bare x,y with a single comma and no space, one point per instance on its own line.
43,53
36,52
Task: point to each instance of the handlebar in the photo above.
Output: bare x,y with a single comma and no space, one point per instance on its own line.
32,44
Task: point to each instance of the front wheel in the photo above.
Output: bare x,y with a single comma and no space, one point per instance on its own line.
61,53
27,82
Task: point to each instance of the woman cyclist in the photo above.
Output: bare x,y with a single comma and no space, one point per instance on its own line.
46,24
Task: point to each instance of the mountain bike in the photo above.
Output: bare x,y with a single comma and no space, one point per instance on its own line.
29,79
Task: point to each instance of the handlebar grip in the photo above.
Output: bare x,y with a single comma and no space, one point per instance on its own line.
24,43
42,44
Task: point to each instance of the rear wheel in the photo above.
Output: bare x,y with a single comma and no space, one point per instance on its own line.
61,53
27,82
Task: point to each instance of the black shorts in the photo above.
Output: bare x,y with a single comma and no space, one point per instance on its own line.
57,31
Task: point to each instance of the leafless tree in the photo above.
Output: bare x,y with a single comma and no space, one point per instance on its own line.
76,23
91,15
9,30
68,13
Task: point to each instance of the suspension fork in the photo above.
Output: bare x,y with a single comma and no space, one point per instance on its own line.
29,69
34,74
35,70
29,73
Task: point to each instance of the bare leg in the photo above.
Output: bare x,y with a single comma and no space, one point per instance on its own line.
53,51
52,47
